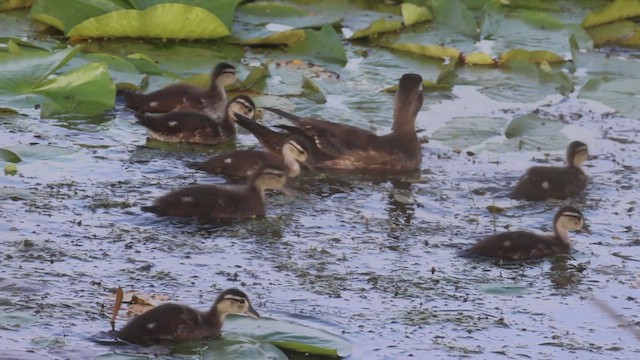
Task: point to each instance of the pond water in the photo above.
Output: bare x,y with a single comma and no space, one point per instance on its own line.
373,260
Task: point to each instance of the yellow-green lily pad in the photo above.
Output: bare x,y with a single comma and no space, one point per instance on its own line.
413,14
164,21
535,56
377,27
617,10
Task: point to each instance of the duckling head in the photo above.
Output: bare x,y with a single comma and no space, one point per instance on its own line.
270,176
577,153
569,218
234,301
243,105
223,74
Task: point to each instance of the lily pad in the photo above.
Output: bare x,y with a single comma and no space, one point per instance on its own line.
164,21
312,91
617,10
267,37
233,348
85,90
413,14
541,19
39,152
288,336
432,51
453,15
619,32
254,80
324,44
10,156
65,14
263,13
620,94
503,289
463,132
223,9
531,132
14,4
531,56
377,27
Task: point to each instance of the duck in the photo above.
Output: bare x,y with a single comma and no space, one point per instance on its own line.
345,147
544,182
184,97
215,203
239,164
196,127
173,322
524,245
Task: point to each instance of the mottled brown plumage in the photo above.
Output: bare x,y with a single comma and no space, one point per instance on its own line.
196,127
238,164
222,202
545,182
176,323
523,245
184,97
350,148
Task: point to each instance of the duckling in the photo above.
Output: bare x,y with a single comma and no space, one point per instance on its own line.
347,147
543,182
238,164
223,202
523,245
196,127
184,97
177,323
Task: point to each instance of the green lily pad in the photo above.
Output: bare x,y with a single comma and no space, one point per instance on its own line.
464,132
164,21
620,94
616,32
15,4
85,90
121,70
267,37
541,19
312,91
10,156
324,44
288,336
39,152
531,132
536,56
617,10
65,14
223,9
413,14
25,83
503,289
377,27
241,348
262,13
454,16
432,51
16,319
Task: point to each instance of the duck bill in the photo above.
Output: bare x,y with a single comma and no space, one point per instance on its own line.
252,312
585,229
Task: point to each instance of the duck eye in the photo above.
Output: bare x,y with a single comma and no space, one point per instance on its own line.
241,301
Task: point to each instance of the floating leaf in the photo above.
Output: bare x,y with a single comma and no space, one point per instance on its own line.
233,348
255,78
288,336
617,10
427,86
262,13
541,19
164,21
266,37
312,91
531,56
479,58
65,14
223,9
620,94
377,27
464,132
453,15
533,132
14,4
10,168
10,156
86,90
39,152
413,14
532,4
432,51
616,32
324,44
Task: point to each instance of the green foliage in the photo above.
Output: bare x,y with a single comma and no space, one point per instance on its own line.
617,10
324,44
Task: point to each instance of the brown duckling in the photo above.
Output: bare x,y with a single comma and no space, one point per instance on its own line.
350,148
223,202
177,323
195,127
239,164
543,182
523,245
184,97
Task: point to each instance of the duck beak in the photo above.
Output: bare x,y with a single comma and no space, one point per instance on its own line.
585,229
252,312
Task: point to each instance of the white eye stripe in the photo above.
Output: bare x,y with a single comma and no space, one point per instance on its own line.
233,297
296,146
